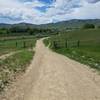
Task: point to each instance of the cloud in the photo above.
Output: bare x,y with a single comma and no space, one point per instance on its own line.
87,11
15,9
40,12
93,1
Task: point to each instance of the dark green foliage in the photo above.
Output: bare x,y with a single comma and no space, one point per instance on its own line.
3,31
98,26
66,44
21,31
78,43
88,26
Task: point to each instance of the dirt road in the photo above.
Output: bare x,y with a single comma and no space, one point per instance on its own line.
54,77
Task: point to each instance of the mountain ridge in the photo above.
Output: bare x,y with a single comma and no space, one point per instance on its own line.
74,23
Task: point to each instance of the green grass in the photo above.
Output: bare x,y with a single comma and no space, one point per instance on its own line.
87,53
7,46
17,63
13,65
89,57
83,35
46,42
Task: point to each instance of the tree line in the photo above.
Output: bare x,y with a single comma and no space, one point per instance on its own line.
89,26
15,31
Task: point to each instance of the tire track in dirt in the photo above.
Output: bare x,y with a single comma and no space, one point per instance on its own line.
52,76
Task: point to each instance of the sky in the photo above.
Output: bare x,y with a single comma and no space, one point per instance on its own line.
47,11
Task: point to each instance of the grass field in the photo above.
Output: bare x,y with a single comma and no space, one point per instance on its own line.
16,63
9,45
87,51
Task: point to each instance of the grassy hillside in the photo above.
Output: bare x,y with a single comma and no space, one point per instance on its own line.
88,34
81,45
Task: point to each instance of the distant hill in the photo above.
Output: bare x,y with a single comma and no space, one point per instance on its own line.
25,25
75,23
3,25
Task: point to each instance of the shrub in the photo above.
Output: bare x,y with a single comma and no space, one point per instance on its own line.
88,26
98,26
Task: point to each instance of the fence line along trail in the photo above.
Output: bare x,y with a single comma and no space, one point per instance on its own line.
52,76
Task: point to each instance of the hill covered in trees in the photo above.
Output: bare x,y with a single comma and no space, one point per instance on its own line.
75,23
32,29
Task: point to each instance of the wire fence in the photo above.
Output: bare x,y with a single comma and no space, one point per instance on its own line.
17,44
71,44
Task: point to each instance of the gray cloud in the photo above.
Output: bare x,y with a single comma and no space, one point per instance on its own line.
93,1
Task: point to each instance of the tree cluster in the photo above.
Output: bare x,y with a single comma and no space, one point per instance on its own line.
27,30
88,26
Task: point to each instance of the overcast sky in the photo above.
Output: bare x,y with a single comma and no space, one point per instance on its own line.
47,11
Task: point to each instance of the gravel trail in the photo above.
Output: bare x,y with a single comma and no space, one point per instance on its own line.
52,76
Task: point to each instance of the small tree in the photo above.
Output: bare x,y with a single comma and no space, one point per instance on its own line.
88,26
98,26
30,31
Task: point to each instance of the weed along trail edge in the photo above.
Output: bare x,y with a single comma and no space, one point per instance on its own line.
52,76
3,57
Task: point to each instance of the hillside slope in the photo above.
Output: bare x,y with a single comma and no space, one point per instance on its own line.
75,23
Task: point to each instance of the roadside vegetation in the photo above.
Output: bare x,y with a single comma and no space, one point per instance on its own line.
82,45
26,31
9,45
14,65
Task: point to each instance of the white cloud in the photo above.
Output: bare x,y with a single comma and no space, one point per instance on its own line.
24,11
17,11
88,11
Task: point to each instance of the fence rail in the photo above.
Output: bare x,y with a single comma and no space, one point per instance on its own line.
70,44
19,44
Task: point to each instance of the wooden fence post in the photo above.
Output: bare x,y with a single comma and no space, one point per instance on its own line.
55,44
78,43
31,45
16,44
66,44
24,44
